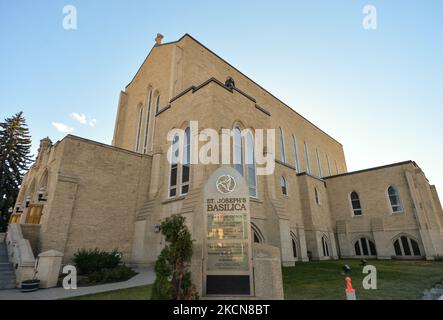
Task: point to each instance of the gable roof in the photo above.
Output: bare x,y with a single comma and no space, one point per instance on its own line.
230,65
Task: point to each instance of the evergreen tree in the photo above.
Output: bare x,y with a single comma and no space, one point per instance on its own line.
15,145
173,279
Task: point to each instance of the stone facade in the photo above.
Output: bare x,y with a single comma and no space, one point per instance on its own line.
116,196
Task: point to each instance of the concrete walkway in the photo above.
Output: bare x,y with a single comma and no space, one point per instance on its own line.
145,276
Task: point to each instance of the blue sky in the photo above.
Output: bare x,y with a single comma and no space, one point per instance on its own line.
379,92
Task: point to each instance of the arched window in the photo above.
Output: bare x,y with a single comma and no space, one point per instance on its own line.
157,104
329,165
283,185
306,151
43,185
139,128
250,165
355,202
406,246
394,199
148,115
282,145
173,172
320,173
257,234
31,191
238,150
244,158
317,196
364,247
179,171
296,163
324,242
294,245
186,162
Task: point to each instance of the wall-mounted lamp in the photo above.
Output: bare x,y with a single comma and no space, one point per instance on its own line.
41,192
28,200
157,228
17,208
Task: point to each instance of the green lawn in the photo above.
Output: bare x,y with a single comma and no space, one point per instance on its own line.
323,280
396,279
136,293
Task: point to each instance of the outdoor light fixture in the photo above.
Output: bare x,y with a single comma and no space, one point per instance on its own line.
28,200
40,194
17,208
363,262
229,83
157,228
346,269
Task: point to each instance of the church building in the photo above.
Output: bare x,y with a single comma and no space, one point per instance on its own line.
85,194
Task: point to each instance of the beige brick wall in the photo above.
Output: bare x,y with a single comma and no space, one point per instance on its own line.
93,197
172,68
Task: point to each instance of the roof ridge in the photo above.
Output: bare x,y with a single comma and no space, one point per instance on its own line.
236,69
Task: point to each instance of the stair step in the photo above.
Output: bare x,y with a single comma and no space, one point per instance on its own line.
5,273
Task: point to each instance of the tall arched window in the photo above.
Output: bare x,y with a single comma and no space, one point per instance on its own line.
355,202
244,158
329,165
238,150
394,199
364,247
320,173
317,196
257,234
406,246
283,185
173,171
324,242
296,163
139,128
157,104
186,162
148,115
306,151
251,177
294,245
282,145
179,171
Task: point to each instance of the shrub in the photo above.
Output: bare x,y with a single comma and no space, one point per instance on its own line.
173,278
90,261
119,273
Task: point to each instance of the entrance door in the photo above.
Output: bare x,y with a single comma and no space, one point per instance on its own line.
34,214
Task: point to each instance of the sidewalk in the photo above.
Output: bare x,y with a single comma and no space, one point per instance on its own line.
145,276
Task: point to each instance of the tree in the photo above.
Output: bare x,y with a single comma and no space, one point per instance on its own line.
173,278
15,145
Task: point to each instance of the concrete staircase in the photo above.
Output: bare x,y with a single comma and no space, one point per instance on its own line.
7,275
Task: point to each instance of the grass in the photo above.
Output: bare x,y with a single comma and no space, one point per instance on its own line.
324,280
136,293
397,280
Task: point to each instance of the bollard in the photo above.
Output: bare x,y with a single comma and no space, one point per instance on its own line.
350,292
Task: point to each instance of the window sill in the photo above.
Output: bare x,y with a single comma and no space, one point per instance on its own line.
178,198
254,199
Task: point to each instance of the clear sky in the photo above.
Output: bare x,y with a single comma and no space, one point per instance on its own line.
379,92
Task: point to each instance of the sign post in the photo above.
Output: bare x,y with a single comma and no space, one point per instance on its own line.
227,266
